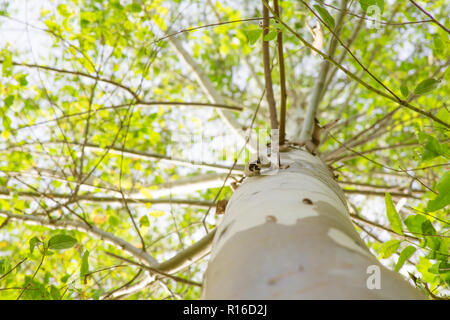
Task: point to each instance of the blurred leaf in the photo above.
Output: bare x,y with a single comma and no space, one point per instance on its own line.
9,100
433,149
157,214
438,45
253,35
54,293
84,268
270,36
404,91
33,242
63,10
443,198
7,64
146,192
144,222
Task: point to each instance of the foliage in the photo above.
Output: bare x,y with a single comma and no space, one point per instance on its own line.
90,130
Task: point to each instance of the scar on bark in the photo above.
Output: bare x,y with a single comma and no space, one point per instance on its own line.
307,201
221,206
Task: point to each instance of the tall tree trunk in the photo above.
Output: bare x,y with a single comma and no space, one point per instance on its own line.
289,236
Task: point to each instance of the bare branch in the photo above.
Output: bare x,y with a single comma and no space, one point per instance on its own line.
431,17
189,255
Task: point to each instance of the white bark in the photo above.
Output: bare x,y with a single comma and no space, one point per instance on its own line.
289,236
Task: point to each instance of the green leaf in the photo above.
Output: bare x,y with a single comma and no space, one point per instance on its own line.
326,17
84,268
444,115
33,242
113,221
440,267
270,36
427,228
144,222
426,86
7,64
61,241
404,255
157,213
404,91
414,223
97,293
135,7
432,149
438,45
388,248
63,10
3,266
54,293
48,253
253,35
392,215
22,80
443,198
9,100
279,27
65,278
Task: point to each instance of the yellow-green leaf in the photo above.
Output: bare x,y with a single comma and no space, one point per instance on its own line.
146,192
392,215
157,214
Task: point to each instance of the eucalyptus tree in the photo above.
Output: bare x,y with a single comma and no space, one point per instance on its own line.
224,149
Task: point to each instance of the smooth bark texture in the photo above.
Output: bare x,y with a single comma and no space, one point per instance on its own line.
289,236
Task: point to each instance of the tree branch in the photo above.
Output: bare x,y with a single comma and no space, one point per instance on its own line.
146,156
362,82
93,231
267,69
429,15
308,123
189,255
101,199
282,80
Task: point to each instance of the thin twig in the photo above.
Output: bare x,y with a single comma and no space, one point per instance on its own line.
360,81
431,17
13,268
